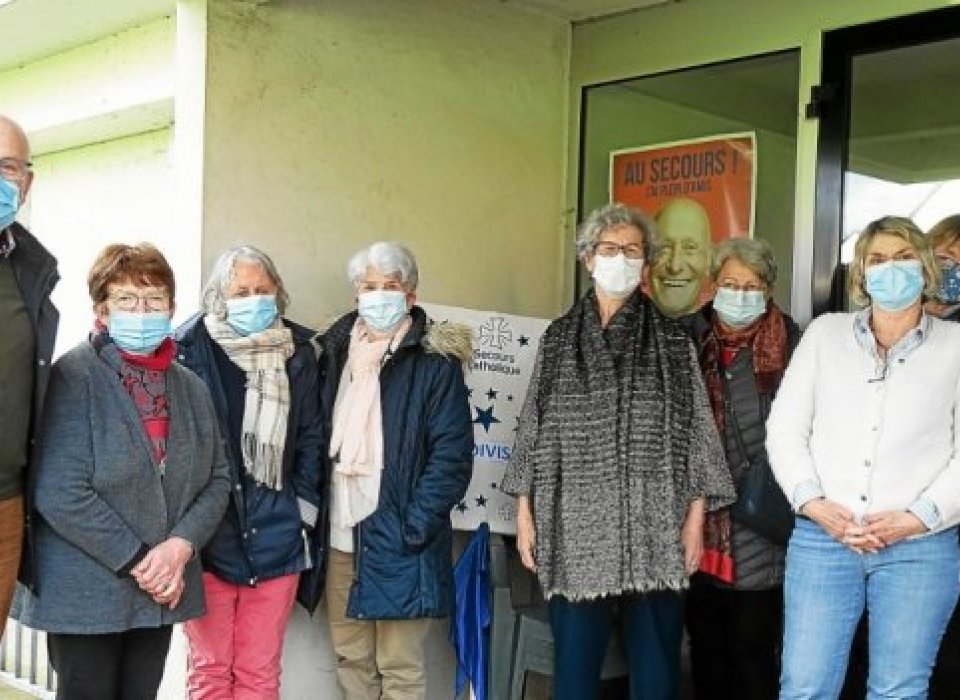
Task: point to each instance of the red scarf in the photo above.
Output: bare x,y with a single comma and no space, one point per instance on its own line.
145,379
769,340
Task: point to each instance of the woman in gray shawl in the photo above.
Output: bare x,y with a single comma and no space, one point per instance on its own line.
616,461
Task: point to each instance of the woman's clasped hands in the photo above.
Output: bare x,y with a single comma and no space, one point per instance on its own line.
867,536
160,572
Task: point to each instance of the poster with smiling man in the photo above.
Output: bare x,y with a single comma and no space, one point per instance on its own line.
700,192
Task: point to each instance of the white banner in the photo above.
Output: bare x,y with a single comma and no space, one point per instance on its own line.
505,348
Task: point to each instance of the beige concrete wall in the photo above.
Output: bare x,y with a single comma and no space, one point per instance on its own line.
439,123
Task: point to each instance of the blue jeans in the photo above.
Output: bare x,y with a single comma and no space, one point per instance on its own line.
909,590
652,626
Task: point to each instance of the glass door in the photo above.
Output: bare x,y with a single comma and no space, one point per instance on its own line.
889,136
681,137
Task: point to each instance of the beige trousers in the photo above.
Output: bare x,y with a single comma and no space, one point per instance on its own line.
376,659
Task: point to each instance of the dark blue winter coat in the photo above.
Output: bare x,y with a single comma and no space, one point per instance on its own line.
262,535
403,549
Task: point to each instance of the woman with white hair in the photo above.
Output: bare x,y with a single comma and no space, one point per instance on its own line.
261,370
863,438
401,453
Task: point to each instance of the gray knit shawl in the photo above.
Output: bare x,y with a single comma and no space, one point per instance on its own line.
616,439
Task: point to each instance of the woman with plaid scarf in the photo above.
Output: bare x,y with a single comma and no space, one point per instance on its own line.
262,374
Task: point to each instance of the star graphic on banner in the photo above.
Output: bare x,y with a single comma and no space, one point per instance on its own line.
461,507
523,340
485,417
481,501
509,397
492,394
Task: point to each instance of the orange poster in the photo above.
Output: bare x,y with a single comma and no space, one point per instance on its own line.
699,191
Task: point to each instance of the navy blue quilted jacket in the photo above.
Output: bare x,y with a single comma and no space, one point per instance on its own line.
261,535
403,549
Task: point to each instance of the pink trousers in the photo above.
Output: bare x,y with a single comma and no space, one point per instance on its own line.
235,648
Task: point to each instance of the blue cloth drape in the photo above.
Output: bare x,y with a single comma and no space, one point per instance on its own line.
470,624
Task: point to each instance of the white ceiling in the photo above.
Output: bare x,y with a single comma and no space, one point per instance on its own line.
33,29
578,10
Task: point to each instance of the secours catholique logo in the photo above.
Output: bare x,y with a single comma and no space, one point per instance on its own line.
496,351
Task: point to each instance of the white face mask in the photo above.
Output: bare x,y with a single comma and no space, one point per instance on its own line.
617,276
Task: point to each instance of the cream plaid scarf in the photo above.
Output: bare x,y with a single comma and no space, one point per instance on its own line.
263,357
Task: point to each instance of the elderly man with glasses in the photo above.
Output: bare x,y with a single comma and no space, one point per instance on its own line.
28,274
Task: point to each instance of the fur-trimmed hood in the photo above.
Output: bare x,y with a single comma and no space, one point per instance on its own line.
451,339
455,340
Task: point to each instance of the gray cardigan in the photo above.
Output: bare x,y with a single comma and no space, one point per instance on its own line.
100,498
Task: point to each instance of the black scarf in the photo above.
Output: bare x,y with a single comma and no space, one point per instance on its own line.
626,441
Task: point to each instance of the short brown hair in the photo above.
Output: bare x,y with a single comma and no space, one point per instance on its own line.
945,231
140,264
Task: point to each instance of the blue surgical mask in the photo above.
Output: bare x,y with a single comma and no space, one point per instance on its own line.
253,314
949,290
739,308
139,333
9,202
382,309
895,285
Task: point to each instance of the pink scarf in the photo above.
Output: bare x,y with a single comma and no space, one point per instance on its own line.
357,441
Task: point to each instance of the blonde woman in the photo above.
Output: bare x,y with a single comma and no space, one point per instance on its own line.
863,438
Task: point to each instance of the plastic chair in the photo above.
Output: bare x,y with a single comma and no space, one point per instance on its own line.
534,651
503,625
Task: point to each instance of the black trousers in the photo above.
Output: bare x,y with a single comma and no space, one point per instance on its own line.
735,641
123,666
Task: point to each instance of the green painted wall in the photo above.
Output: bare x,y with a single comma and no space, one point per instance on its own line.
700,32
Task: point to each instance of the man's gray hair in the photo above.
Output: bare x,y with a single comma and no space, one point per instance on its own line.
387,258
611,216
752,252
214,296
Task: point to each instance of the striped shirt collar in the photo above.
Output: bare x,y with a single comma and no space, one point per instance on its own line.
899,352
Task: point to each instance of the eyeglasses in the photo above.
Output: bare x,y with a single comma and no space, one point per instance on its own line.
14,169
153,301
737,287
607,249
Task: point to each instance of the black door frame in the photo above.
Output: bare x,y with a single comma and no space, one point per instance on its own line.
831,104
